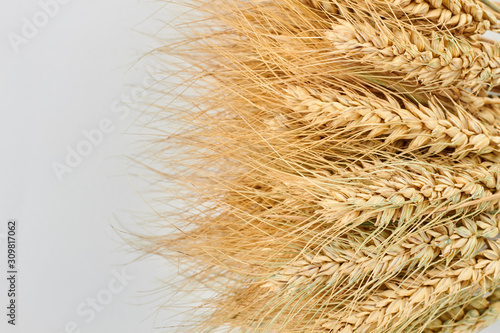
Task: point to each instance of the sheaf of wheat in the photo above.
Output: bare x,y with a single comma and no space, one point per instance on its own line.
334,164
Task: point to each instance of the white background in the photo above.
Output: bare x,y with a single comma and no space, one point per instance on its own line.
65,79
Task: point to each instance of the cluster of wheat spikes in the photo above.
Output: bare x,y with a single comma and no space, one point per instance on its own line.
338,163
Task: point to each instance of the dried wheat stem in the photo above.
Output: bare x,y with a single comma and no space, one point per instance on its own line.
492,197
432,127
492,5
469,237
333,266
465,17
438,61
402,297
385,193
473,321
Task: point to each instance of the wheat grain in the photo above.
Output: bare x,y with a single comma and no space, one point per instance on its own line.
435,61
433,127
419,248
462,17
409,295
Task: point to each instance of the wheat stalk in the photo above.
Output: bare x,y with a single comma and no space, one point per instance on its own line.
433,126
417,249
463,17
338,166
436,61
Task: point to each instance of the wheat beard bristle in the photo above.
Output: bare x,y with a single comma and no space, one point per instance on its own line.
337,164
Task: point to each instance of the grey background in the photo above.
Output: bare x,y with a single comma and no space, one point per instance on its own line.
78,68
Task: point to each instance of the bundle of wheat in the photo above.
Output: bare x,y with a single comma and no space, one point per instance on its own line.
338,161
